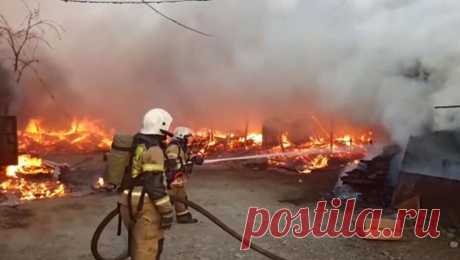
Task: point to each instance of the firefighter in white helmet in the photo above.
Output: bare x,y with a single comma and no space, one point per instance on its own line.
180,163
145,206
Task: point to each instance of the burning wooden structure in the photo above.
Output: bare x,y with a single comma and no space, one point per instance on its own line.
82,136
319,150
24,175
33,177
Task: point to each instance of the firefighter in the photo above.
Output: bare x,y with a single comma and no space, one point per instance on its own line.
145,205
180,163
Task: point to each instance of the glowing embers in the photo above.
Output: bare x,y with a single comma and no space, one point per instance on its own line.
301,164
31,190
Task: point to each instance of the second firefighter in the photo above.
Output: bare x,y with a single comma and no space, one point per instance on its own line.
180,164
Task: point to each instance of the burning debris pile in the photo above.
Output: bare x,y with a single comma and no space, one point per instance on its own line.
215,143
82,136
317,152
36,178
371,178
32,179
28,165
372,172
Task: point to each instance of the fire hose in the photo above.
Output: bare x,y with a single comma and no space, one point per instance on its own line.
203,211
97,234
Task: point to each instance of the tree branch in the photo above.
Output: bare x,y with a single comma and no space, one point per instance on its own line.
27,37
25,64
149,4
176,22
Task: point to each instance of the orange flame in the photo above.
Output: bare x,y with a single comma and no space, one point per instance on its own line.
30,190
27,164
83,135
285,141
347,146
319,162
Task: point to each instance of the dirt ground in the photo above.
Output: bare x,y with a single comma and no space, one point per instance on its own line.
62,228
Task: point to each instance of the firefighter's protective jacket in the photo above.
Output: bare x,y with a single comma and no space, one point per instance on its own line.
180,156
178,151
148,168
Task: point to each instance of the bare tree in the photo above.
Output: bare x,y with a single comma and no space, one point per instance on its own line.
24,40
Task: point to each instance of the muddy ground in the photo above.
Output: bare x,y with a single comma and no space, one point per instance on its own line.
62,228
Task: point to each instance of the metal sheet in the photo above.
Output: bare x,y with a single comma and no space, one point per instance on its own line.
436,155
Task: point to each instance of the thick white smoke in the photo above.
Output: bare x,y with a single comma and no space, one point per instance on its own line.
382,62
389,61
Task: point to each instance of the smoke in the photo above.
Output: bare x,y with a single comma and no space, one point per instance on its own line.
381,62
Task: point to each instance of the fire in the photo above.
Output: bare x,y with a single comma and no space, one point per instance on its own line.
100,182
255,137
319,162
83,135
27,164
29,189
208,141
285,141
347,146
367,138
346,140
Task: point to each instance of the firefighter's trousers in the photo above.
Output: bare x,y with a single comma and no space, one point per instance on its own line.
146,242
179,191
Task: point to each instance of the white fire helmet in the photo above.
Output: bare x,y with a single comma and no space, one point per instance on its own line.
156,122
182,132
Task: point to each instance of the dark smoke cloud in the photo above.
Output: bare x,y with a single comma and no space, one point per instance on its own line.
269,58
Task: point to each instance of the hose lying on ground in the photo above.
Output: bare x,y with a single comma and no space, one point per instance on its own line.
97,235
191,204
